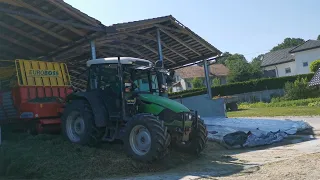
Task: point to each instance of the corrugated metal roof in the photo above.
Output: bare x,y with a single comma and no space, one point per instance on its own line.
277,57
315,79
310,44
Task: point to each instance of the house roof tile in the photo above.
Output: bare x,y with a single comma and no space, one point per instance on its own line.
277,57
198,71
310,44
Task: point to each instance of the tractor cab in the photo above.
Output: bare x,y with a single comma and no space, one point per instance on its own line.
123,79
136,75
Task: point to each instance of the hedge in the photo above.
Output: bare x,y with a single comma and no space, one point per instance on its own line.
290,103
242,87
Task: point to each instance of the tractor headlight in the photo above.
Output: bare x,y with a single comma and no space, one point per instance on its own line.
188,116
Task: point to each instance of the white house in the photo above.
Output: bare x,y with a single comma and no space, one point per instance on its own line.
184,76
291,61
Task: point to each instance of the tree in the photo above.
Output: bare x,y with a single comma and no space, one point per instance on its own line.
256,70
223,58
318,38
239,68
215,82
299,89
287,43
315,65
197,83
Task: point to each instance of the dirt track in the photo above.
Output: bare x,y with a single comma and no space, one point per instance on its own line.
296,158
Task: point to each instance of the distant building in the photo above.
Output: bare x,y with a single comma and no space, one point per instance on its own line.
291,61
184,76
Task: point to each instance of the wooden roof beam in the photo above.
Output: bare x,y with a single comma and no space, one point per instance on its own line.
36,10
14,41
197,38
30,23
26,35
147,47
179,40
171,29
104,52
74,14
13,50
149,37
124,46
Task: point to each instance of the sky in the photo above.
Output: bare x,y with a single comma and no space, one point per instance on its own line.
248,27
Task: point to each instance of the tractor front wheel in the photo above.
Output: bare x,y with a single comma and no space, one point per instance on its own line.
146,138
78,124
197,140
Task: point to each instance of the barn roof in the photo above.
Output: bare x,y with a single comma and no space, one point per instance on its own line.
180,45
53,30
34,28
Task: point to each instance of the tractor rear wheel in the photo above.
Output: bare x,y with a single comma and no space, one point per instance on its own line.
197,140
78,124
146,138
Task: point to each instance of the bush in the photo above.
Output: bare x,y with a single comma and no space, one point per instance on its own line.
197,83
243,87
315,65
288,103
314,104
299,89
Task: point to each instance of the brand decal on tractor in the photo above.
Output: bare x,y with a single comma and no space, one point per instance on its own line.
38,72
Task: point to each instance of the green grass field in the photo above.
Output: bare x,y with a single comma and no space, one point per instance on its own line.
276,111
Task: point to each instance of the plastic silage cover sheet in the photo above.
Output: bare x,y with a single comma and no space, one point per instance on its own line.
256,132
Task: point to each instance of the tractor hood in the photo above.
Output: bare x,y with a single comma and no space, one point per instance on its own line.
164,102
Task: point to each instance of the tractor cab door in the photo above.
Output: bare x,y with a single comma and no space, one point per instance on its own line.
103,79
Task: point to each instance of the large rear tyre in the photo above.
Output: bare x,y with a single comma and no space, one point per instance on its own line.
78,124
146,138
197,140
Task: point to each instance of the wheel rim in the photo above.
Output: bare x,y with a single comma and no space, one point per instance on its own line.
140,140
75,126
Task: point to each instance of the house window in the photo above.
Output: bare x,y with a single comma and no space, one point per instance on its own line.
288,70
189,85
305,64
178,78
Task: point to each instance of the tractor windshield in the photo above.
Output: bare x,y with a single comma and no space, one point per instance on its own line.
145,81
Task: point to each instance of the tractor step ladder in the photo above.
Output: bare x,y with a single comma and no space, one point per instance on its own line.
112,129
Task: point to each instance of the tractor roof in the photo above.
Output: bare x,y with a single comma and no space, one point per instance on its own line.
123,60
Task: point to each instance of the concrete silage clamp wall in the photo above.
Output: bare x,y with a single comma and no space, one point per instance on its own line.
205,106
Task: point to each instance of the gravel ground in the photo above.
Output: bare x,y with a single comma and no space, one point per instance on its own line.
295,158
302,167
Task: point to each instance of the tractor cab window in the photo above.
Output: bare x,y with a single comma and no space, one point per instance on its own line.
141,81
108,78
154,82
146,81
103,77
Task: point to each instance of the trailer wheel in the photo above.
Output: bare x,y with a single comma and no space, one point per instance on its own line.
197,142
78,124
146,138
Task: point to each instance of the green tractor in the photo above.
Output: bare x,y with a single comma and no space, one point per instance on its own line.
126,99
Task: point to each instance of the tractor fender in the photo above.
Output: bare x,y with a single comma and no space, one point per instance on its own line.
98,106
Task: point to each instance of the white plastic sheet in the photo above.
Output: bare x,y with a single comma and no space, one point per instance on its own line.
263,131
